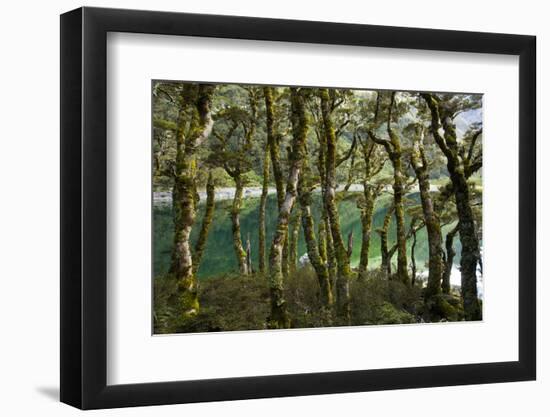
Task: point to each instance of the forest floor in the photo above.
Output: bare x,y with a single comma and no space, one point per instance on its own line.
231,302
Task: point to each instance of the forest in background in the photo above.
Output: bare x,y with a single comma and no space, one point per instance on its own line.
279,207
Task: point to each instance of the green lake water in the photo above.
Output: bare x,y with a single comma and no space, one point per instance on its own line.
219,257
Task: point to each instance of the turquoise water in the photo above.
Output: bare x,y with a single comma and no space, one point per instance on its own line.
219,256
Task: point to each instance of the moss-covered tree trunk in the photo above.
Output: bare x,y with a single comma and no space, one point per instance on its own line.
413,256
373,165
194,126
261,215
279,315
395,153
240,252
209,206
470,246
449,260
431,219
332,265
367,210
275,154
294,234
398,193
313,252
385,263
344,272
249,267
325,235
322,240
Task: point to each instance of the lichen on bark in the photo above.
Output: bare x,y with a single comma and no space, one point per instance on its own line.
261,215
317,261
279,315
395,154
441,117
209,206
431,221
343,309
193,127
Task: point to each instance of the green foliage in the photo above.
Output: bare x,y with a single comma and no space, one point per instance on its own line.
234,302
234,152
378,300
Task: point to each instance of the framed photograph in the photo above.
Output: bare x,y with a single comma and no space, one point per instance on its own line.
257,208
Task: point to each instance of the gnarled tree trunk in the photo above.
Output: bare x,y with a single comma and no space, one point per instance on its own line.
191,132
385,263
293,235
279,316
344,272
240,252
274,152
413,256
470,246
314,255
394,151
261,216
206,222
367,210
431,219
449,260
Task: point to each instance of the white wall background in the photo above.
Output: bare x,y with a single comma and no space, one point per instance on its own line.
29,210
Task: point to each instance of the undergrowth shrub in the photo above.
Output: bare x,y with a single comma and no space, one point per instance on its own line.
234,302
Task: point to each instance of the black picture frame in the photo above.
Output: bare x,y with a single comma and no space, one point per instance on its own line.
84,207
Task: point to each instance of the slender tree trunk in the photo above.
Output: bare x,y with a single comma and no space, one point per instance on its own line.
331,253
431,220
248,256
274,151
367,211
413,257
398,194
349,249
206,222
294,234
240,252
327,251
344,271
313,252
394,151
322,238
279,315
470,246
449,260
385,264
273,144
261,217
199,98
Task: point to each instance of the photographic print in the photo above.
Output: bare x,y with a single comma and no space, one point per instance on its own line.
278,207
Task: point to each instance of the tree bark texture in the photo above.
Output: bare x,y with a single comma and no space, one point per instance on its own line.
261,216
344,272
279,314
394,151
468,237
449,260
314,255
206,222
431,219
240,252
385,263
193,127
